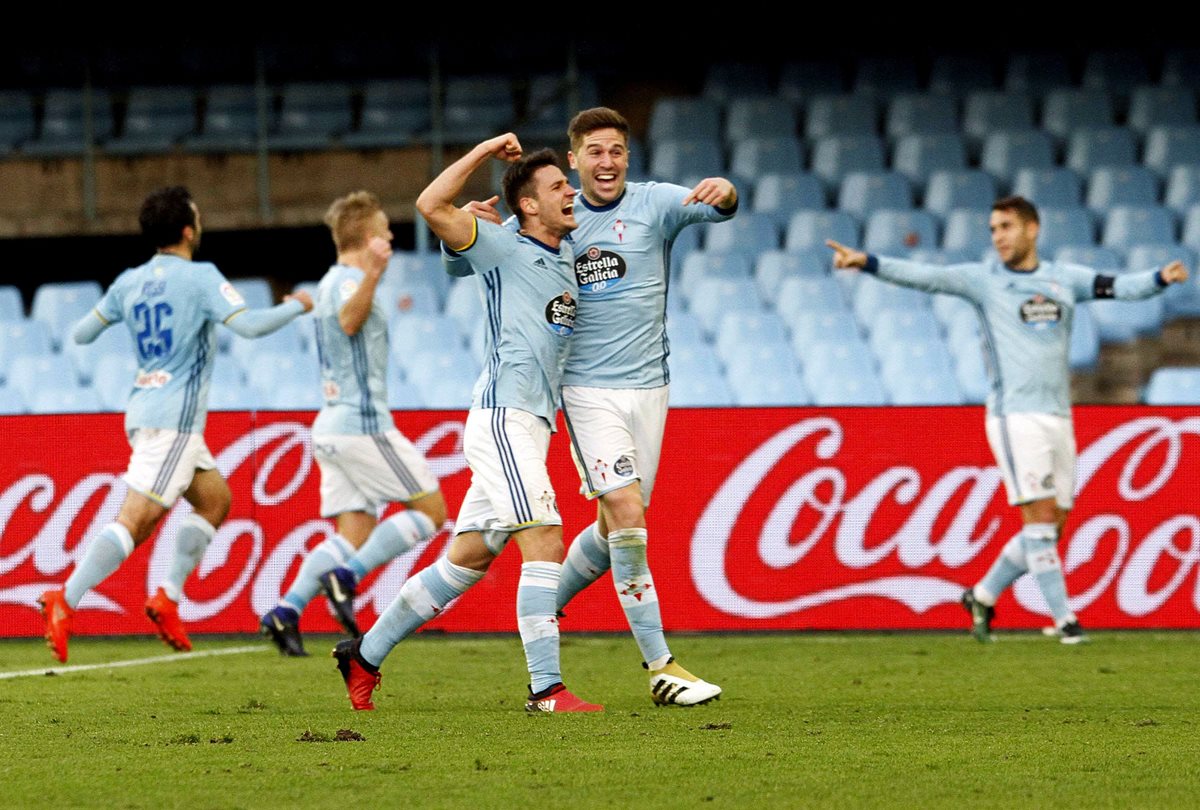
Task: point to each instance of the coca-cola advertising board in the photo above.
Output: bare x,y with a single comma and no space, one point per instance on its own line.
779,518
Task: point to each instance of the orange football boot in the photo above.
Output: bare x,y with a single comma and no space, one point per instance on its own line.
58,622
165,615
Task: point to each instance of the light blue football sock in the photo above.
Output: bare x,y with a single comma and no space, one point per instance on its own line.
420,599
1007,568
391,538
636,592
537,591
104,555
1041,555
191,540
334,551
587,560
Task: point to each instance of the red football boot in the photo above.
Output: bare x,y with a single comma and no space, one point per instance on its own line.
557,699
165,615
58,622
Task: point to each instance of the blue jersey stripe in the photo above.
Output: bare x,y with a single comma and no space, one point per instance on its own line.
403,475
508,462
666,344
170,463
358,352
492,280
1009,458
587,477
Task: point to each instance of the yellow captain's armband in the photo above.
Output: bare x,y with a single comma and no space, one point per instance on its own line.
474,237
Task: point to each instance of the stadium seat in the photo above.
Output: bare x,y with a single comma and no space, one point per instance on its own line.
1067,110
840,115
1049,188
897,233
59,305
114,373
958,75
1168,147
1181,67
553,100
727,81
672,160
873,297
780,195
924,388
464,304
712,298
754,157
799,295
801,81
1179,300
11,307
1153,106
970,372
950,310
740,332
919,156
31,373
447,394
684,118
409,298
842,373
891,328
704,265
753,359
694,389
286,340
234,398
230,120
1128,225
477,107
836,156
687,241
778,388
808,229
863,193
883,76
1036,73
413,333
63,132
1006,153
156,119
772,267
256,291
11,402
1101,259
988,111
84,356
759,117
311,116
404,396
968,188
1090,149
817,326
920,114
1123,321
683,328
65,400
1118,72
1173,386
293,396
394,113
1064,226
748,233
409,268
439,363
270,370
967,230
1183,188
1129,185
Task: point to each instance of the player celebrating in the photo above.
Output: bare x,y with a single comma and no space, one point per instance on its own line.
171,305
1026,307
365,462
529,287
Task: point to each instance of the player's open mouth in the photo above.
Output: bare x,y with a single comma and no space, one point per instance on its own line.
569,208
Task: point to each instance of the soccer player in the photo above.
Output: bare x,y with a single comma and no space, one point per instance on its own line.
1026,306
365,461
530,292
171,305
615,384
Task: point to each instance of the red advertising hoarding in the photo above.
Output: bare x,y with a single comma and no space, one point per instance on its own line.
781,519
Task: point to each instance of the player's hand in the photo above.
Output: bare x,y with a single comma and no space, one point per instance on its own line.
379,250
845,258
303,297
504,147
715,191
1174,273
485,210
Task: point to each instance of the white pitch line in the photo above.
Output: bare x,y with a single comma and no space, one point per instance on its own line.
133,662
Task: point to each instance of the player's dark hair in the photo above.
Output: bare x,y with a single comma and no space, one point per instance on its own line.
518,179
165,214
592,120
1022,207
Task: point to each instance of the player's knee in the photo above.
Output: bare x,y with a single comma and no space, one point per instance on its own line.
541,544
624,509
470,551
433,507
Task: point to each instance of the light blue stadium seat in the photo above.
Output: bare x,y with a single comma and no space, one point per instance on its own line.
919,156
817,326
1118,72
1100,259
61,304
924,388
438,363
113,377
21,339
964,332
882,76
966,188
740,331
685,118
798,296
285,340
672,160
970,372
11,307
1191,228
31,373
404,396
1065,226
416,332
293,396
1006,153
84,357
235,398
1123,321
1066,110
727,81
872,297
920,114
11,402
699,390
65,400
463,304
1179,300
839,115
1128,225
1089,149
1129,185
958,75
754,359
988,111
893,327
754,157
1153,106
748,233
863,193
836,156
477,107
780,195
413,268
685,243
808,229
897,233
1055,187
447,393
703,265
842,373
772,267
779,388
682,328
759,117
1183,188
1083,353
230,120
409,298
801,81
1036,73
712,298
156,118
269,371
62,132
256,291
1171,146
1173,386
394,113
950,309
967,230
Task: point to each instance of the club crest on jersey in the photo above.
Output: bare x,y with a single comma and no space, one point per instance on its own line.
347,288
560,314
598,270
1041,312
619,229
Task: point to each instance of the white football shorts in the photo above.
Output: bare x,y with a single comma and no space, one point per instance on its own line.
510,486
364,473
616,436
1036,456
164,461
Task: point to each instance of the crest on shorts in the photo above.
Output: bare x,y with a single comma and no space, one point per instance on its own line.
623,466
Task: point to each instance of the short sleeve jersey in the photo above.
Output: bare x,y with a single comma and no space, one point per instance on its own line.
171,305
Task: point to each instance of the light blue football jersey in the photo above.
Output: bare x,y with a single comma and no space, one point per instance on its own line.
530,299
353,368
622,266
1025,318
171,305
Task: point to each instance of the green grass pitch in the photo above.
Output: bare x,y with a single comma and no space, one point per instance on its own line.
807,720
